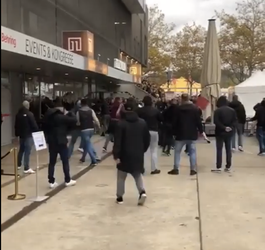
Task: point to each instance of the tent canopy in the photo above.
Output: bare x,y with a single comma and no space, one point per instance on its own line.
251,91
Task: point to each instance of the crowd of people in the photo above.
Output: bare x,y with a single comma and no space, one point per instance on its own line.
152,89
134,128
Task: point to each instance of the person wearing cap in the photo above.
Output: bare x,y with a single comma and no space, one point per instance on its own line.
131,141
25,125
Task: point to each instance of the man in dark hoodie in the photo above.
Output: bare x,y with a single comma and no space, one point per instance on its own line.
225,121
186,126
131,141
25,125
241,120
152,117
56,126
168,118
260,118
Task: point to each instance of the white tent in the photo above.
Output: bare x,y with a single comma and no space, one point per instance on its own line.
251,91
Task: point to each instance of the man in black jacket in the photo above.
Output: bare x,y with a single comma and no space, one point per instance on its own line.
131,141
153,118
260,118
25,125
241,120
56,126
186,126
225,122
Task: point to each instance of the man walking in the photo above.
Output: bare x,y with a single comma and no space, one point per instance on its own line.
86,117
260,118
25,125
152,117
131,141
241,120
225,122
56,126
186,126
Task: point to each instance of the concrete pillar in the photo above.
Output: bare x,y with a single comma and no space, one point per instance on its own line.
16,89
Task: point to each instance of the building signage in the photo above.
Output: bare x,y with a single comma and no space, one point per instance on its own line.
17,42
118,64
79,42
98,67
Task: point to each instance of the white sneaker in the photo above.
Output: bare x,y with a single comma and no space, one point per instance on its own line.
240,148
29,171
70,183
233,150
81,150
53,185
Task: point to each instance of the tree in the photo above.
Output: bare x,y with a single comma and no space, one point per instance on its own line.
242,39
187,52
159,37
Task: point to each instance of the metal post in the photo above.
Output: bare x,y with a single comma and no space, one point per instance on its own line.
37,175
38,198
16,195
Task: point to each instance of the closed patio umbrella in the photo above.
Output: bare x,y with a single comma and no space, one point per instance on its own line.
211,69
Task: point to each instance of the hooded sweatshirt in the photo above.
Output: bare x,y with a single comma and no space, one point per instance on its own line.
187,122
240,111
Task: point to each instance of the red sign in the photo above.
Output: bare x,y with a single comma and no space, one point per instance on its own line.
202,102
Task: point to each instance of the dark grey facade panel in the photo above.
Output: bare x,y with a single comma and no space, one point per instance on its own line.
46,19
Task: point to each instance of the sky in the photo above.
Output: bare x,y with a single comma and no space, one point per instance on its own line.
189,11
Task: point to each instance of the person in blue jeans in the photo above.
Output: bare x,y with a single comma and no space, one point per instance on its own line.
86,118
185,127
25,125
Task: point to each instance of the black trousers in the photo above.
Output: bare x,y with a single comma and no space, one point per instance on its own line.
62,150
220,141
167,138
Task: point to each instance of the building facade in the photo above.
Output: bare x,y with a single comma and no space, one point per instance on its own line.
117,25
37,61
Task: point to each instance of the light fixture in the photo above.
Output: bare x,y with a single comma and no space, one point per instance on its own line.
86,77
38,68
66,74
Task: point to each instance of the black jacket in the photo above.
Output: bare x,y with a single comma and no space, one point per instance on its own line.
240,111
151,115
161,106
25,123
168,118
131,141
56,126
187,122
260,116
224,116
105,108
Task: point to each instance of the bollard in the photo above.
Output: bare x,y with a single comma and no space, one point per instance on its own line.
16,195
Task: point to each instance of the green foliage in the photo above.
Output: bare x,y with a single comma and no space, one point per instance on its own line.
187,53
242,39
159,36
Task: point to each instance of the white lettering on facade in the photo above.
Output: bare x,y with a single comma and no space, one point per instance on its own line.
118,64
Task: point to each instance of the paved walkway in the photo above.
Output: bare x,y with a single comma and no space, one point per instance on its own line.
28,185
211,212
